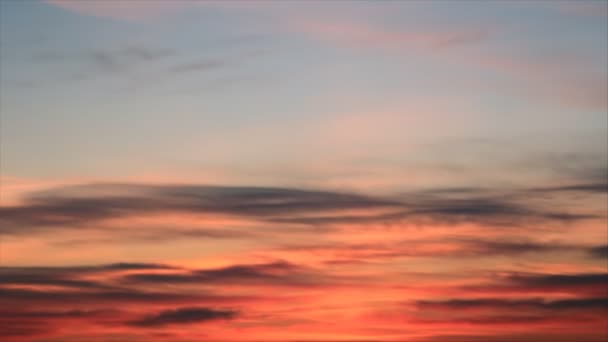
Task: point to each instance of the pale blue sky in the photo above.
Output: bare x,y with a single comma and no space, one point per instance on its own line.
275,90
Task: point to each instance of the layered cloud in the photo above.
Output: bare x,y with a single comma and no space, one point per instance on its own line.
155,301
302,256
396,171
92,204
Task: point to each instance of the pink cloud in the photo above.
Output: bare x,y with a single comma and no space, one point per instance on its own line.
361,34
568,81
564,80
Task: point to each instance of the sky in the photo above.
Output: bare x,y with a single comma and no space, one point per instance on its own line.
318,171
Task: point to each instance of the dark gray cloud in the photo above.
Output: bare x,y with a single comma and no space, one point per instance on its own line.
597,336
590,188
34,278
588,284
97,285
188,315
517,304
515,311
471,207
17,330
73,277
599,252
156,235
277,273
491,206
38,301
481,210
19,323
70,270
77,207
87,206
457,247
22,296
134,283
47,314
484,247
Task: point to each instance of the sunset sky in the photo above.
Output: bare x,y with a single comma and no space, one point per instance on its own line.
303,171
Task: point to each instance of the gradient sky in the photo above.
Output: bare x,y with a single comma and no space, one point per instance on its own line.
412,171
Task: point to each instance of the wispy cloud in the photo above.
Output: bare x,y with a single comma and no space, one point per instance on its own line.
517,304
123,10
361,34
91,205
590,284
66,207
187,315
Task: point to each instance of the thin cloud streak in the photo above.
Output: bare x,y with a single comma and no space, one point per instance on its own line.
187,315
94,203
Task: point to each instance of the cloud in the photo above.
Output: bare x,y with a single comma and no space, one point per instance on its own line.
549,336
589,284
483,210
361,34
202,65
560,280
536,314
214,63
109,60
167,297
599,252
123,10
138,65
70,277
484,247
471,207
516,304
505,206
278,273
135,11
88,204
188,315
589,188
155,235
119,60
21,296
50,301
91,206
449,247
91,286
21,324
502,207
